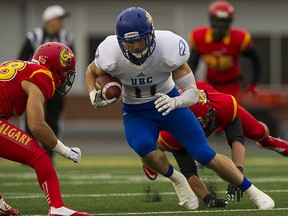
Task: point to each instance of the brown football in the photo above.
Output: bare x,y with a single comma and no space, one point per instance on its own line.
111,86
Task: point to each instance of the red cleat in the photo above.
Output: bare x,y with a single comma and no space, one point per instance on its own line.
64,211
6,210
278,145
151,174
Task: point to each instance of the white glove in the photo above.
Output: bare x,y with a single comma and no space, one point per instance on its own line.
98,101
74,154
165,104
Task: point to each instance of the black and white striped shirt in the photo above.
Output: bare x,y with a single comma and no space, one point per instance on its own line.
38,36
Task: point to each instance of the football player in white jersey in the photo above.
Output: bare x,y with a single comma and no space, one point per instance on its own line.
150,63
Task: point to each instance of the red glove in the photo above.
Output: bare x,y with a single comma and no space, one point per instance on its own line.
251,89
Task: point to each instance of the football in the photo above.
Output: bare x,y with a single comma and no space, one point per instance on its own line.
111,86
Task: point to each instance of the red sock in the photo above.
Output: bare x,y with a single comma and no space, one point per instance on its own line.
48,180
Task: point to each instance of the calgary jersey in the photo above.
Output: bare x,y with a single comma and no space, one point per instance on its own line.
221,58
13,99
141,82
224,105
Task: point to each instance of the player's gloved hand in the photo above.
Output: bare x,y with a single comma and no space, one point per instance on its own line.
74,154
165,104
97,100
233,191
216,203
251,89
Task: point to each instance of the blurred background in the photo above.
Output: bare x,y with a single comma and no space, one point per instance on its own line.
92,20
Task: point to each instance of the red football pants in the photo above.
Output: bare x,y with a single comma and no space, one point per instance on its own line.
18,146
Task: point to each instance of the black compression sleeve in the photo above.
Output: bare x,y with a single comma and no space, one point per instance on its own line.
234,132
185,162
194,60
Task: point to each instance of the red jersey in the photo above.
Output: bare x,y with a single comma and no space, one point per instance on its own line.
221,58
227,110
225,105
13,99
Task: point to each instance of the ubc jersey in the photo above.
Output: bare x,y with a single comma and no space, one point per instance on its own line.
13,99
221,58
225,105
141,82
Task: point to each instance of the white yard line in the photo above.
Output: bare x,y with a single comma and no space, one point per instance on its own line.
38,195
178,212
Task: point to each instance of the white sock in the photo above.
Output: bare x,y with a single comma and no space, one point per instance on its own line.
252,191
176,177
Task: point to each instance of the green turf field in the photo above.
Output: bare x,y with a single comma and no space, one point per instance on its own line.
116,185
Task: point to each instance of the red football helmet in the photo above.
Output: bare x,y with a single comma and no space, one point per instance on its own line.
221,9
60,60
205,114
221,14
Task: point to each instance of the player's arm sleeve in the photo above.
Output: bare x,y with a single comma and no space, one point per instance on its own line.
234,132
190,93
254,56
26,51
193,60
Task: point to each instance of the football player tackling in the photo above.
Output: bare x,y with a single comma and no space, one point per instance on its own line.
214,110
26,86
149,63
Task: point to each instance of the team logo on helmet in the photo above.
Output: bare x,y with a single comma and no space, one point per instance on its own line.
202,97
65,58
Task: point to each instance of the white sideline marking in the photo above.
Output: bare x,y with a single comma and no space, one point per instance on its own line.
104,178
125,182
34,196
187,212
179,212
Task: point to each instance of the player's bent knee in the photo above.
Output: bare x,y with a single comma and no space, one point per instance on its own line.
143,146
204,156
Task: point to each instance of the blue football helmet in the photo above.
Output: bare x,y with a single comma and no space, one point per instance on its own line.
134,24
